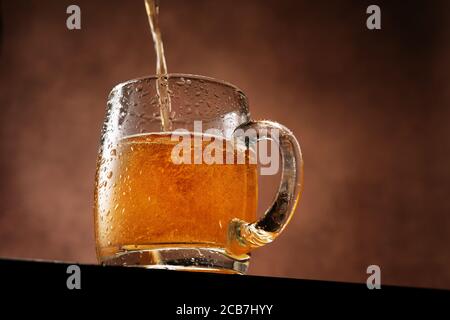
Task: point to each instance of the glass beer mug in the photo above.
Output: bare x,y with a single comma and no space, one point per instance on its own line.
156,211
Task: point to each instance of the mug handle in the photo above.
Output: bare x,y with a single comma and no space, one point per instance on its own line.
244,236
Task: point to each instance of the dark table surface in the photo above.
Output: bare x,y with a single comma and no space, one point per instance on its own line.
167,291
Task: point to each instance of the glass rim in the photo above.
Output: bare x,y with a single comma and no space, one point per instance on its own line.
178,76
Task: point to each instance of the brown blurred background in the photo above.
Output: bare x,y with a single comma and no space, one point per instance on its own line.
371,110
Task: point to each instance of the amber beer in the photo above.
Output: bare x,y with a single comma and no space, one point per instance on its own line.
144,200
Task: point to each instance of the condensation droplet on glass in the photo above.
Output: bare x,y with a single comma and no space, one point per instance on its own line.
180,82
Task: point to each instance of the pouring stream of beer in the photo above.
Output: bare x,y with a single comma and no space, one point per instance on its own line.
162,83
